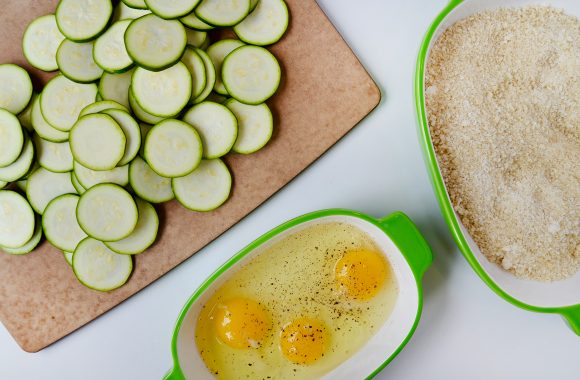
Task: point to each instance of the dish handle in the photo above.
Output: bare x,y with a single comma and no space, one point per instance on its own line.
454,3
572,317
409,240
174,374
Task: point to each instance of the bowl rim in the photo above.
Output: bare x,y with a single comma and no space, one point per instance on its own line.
572,312
397,226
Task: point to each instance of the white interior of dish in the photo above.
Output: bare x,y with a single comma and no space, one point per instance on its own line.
555,294
378,349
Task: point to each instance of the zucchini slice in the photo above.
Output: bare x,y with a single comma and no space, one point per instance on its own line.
210,76
124,12
99,268
41,126
102,106
75,61
88,178
251,74
147,184
16,220
40,43
196,68
155,43
110,52
25,117
173,148
62,101
15,88
253,4
115,87
11,138
216,125
194,22
97,142
60,224
136,4
30,244
218,53
83,20
131,131
205,189
223,12
43,186
56,157
162,93
76,184
3,184
21,166
266,24
68,256
255,126
169,9
144,234
145,128
107,212
196,38
140,113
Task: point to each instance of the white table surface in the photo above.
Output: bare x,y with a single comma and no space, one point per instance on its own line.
466,331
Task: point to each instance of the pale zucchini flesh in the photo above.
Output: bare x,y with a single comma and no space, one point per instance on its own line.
144,234
41,126
194,22
169,9
147,184
131,131
266,24
115,87
76,184
25,117
75,61
41,41
68,256
83,20
218,53
16,220
110,52
56,157
60,224
30,244
255,126
137,4
173,148
210,76
206,188
107,212
196,68
140,113
15,88
11,138
124,12
223,12
196,38
88,178
102,106
43,186
19,168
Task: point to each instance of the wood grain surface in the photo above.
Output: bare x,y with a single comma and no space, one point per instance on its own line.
325,92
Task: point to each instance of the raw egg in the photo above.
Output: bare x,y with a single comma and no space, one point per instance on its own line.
303,341
241,323
361,273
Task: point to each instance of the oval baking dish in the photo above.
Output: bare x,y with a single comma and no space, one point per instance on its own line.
398,239
561,297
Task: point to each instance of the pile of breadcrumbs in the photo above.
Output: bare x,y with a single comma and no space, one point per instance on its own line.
503,103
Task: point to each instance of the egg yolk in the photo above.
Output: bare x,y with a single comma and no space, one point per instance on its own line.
303,340
241,323
361,273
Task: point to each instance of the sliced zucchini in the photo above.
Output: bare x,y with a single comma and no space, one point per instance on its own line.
88,178
41,41
62,101
253,5
255,126
97,142
43,186
266,24
110,52
15,88
124,12
16,220
98,98
163,93
102,106
30,244
173,148
83,20
223,12
56,157
21,166
115,87
75,61
77,185
194,22
144,234
132,134
196,68
218,53
4,184
205,189
196,38
68,256
60,224
251,74
169,9
147,184
216,125
41,126
99,268
145,128
107,212
210,76
11,138
137,4
140,113
25,117
155,43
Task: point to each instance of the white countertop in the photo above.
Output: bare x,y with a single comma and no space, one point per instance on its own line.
466,331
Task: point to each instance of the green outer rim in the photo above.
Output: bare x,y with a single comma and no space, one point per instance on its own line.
140,113
172,17
128,123
397,226
85,38
570,313
219,86
210,76
197,24
50,204
269,42
102,105
271,125
29,159
202,84
208,21
131,4
148,243
103,65
76,183
137,189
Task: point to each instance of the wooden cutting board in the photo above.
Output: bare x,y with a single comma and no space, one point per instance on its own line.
324,94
